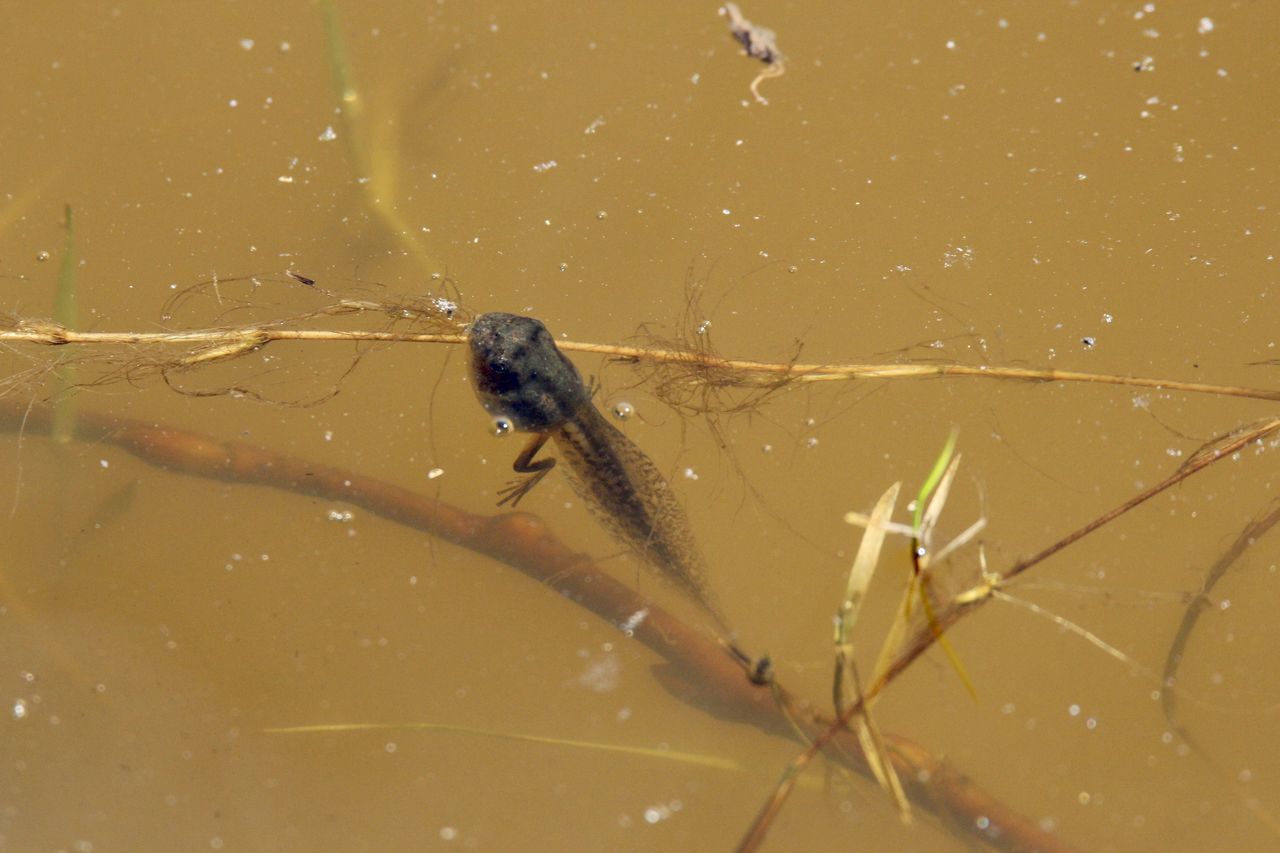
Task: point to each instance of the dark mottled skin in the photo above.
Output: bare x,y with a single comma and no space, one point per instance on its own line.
520,375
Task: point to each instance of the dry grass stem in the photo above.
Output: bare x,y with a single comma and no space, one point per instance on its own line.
684,370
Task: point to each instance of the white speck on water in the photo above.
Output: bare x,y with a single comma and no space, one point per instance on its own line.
726,211
544,166
285,179
247,44
390,746
233,103
1173,451
104,463
448,833
694,78
1205,26
1073,710
328,435
601,675
1224,604
656,814
342,515
690,474
20,709
595,125
328,134
951,44
1222,72
635,620
623,715
434,473
957,256
1107,318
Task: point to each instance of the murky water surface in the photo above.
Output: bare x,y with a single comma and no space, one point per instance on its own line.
1080,186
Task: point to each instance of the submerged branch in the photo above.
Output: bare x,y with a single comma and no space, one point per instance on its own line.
524,542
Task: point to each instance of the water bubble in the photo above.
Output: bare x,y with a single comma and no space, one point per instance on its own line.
500,427
623,410
42,256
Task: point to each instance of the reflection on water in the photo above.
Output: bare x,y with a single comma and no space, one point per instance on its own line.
987,186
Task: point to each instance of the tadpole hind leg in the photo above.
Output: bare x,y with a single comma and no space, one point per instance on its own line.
515,491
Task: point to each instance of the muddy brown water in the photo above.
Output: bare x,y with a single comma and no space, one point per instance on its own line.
981,183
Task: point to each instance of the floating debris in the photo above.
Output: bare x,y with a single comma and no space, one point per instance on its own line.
760,43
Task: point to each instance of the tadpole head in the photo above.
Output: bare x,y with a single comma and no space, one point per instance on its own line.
519,373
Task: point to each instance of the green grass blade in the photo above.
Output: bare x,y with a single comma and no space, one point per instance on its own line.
644,752
374,156
935,476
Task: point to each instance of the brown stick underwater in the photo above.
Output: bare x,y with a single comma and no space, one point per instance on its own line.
524,542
